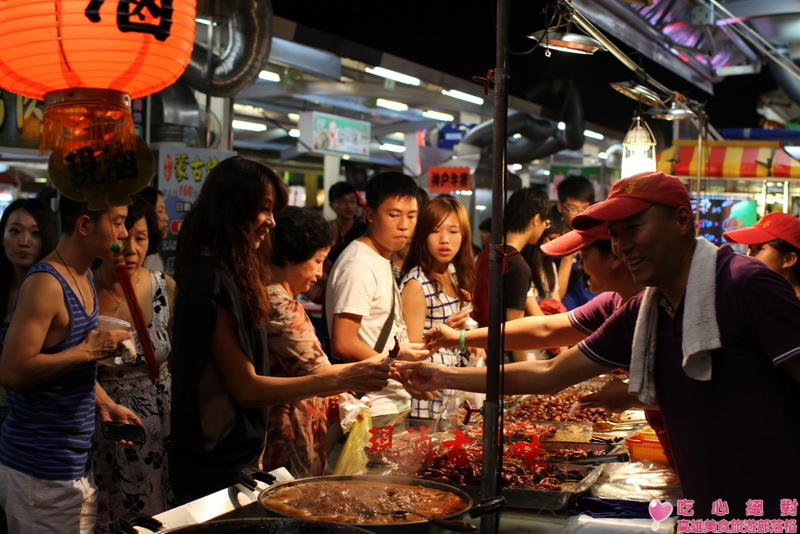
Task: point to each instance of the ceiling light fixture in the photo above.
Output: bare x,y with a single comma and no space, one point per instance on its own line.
438,115
561,38
566,41
466,97
248,126
391,104
638,148
594,135
392,148
639,93
269,76
393,75
675,112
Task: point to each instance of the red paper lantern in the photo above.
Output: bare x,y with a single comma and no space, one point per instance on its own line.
87,59
136,47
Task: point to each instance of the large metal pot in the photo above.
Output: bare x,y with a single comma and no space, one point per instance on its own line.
415,526
240,526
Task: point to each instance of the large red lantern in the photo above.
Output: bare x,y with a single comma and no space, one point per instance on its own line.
87,59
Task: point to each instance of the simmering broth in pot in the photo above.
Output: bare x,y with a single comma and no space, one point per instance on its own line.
362,502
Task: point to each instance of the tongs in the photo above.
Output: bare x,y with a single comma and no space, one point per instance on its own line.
604,459
608,426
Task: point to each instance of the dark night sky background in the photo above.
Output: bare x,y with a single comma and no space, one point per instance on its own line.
458,37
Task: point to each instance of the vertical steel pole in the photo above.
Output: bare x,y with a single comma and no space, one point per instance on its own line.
492,440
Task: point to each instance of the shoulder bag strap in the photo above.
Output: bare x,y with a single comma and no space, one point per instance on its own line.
387,326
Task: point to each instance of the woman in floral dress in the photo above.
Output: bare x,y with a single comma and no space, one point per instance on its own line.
136,478
297,431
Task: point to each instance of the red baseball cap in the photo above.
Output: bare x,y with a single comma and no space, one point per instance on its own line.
575,240
772,225
632,195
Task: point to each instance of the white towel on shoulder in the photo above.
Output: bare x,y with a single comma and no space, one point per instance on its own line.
700,328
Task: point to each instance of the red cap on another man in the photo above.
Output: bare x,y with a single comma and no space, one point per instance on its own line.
575,240
632,195
771,226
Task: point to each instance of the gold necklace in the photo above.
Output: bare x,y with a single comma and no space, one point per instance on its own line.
114,296
77,286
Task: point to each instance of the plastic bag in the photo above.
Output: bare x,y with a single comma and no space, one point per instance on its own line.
353,458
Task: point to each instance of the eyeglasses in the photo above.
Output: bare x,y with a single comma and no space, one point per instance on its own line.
346,201
573,210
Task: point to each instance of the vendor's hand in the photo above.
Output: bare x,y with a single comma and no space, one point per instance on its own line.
441,336
422,395
111,411
476,353
413,352
421,376
457,320
367,375
102,344
613,397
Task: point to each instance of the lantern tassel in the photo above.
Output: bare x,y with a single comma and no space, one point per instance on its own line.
136,311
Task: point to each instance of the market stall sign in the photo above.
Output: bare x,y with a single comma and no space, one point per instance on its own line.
334,135
449,179
182,172
452,133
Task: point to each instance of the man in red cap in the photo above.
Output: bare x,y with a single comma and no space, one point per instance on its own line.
775,240
712,326
607,276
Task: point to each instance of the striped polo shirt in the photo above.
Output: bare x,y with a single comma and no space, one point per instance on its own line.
48,432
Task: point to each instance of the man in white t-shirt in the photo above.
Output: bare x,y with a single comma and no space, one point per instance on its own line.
362,293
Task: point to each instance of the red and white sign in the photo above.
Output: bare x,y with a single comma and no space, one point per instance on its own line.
449,179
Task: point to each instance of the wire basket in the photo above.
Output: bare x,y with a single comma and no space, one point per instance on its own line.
644,445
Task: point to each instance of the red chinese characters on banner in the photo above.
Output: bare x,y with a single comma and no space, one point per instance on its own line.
529,452
455,448
381,440
422,446
449,179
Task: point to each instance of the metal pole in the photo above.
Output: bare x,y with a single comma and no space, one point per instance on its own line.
210,74
492,439
701,161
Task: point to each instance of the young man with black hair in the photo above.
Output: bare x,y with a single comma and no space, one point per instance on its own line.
525,220
575,195
343,200
49,368
362,301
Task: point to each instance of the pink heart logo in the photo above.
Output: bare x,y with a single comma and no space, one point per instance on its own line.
659,511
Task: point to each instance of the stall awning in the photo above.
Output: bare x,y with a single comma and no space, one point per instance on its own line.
730,159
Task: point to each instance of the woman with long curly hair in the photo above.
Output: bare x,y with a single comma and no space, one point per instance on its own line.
220,364
438,280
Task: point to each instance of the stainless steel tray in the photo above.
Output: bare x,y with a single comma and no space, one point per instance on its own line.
580,480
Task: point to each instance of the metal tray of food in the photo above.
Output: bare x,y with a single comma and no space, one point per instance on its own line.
576,481
591,449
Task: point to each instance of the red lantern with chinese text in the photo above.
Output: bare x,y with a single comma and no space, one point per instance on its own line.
87,59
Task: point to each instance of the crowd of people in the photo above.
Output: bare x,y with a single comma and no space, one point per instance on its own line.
243,378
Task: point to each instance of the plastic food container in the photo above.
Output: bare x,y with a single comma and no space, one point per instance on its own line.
644,445
112,323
